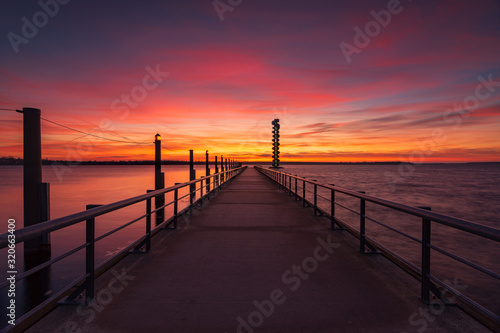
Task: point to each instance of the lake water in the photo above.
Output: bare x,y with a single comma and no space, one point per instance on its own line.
467,191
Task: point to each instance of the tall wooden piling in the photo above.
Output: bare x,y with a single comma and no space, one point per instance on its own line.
159,181
207,171
192,176
34,207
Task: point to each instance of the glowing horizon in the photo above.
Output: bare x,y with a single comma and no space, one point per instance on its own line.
422,86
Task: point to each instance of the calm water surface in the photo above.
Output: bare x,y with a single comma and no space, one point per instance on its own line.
70,192
468,191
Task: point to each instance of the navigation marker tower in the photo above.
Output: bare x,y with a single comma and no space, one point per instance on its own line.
276,144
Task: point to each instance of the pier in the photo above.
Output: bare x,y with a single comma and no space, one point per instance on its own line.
253,260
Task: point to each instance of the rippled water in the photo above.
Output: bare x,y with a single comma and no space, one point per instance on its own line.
70,192
467,191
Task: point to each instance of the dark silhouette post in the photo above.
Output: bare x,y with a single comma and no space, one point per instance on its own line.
36,207
222,168
159,181
216,179
207,171
192,176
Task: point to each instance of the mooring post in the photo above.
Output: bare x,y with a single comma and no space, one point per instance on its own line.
207,171
159,181
216,178
222,169
34,207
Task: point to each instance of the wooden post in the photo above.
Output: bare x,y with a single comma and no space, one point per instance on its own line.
222,169
216,179
192,176
207,171
36,210
159,181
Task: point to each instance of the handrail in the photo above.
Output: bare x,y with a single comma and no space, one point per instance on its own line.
423,274
85,282
65,221
471,227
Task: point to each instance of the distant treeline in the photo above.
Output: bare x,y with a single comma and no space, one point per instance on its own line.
330,163
19,161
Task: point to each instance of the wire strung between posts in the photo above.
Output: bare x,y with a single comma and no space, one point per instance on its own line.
97,136
73,129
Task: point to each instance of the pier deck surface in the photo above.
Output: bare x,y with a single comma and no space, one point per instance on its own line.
239,250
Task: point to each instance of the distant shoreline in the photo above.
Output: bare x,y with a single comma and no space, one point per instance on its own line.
19,161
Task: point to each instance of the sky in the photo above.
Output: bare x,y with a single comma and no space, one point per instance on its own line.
415,81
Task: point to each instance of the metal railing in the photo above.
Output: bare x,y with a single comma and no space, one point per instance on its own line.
85,283
429,283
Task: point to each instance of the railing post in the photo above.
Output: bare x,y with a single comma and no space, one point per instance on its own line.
303,193
176,198
362,211
45,211
201,192
426,259
332,208
315,199
90,255
148,224
296,194
216,178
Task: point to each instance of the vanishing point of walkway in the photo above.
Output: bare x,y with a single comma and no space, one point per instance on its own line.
254,260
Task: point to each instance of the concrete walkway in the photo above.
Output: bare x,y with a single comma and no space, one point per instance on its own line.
254,260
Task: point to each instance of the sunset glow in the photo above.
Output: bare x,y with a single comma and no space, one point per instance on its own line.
422,84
